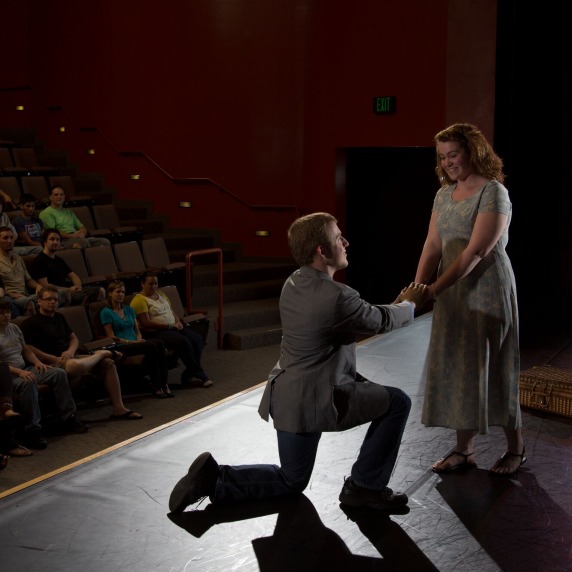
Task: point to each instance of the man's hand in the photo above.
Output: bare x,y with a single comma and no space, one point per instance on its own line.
415,293
41,367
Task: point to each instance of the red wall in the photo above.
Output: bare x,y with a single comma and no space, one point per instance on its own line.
255,95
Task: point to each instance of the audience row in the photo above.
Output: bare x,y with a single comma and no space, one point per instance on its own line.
42,353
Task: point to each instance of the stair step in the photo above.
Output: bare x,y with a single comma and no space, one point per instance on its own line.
240,272
253,337
237,292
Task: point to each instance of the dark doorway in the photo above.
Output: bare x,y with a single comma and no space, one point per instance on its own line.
389,195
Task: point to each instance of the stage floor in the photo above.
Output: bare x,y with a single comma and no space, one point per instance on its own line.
111,512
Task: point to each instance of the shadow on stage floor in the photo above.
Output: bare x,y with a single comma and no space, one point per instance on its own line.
111,513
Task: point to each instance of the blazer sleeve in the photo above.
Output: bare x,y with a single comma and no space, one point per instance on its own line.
353,314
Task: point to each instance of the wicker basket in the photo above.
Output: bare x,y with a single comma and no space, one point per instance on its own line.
547,388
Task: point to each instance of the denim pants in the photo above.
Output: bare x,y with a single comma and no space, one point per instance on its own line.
372,469
27,392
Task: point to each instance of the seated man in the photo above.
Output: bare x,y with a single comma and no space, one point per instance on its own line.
53,341
27,373
17,281
28,226
73,233
51,270
22,250
3,298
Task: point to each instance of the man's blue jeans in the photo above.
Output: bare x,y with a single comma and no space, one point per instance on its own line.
372,469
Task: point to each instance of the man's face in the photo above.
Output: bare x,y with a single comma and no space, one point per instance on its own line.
335,252
53,242
58,197
5,317
7,240
28,208
48,303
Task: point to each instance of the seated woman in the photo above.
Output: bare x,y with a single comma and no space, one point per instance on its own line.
158,321
120,323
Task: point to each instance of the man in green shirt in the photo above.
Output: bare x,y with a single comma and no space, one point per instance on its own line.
74,233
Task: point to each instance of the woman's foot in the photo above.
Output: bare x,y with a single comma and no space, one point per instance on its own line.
200,382
167,391
455,461
508,464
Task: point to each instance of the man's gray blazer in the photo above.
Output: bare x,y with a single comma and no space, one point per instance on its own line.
313,387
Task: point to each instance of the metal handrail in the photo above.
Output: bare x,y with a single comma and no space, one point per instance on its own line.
218,252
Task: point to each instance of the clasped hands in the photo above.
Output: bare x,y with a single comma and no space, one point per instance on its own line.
418,294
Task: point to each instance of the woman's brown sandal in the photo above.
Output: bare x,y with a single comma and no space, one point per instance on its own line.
464,465
504,459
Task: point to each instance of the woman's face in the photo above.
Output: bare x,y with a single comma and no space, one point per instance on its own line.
118,295
150,285
454,160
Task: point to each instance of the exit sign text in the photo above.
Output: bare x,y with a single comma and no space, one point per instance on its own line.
384,105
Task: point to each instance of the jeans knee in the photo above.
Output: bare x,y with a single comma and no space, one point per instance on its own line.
399,400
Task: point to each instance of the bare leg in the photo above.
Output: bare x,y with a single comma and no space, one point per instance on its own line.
79,366
465,445
82,365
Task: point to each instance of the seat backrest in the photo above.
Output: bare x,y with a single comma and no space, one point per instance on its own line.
6,159
11,186
74,258
76,317
93,311
65,182
37,185
100,260
84,215
155,252
176,303
25,157
105,216
129,257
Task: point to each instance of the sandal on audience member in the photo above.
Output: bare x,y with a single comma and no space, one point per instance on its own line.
167,391
129,415
3,461
464,465
502,461
20,451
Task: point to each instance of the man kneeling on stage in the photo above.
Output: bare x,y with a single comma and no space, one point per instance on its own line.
315,387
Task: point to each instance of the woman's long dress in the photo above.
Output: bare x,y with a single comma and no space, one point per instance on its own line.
473,362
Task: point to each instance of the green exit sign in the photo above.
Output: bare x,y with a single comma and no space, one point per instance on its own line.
384,105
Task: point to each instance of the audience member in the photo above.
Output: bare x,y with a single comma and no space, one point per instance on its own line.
28,372
157,320
7,415
51,270
28,226
119,322
3,298
14,274
73,232
53,341
21,250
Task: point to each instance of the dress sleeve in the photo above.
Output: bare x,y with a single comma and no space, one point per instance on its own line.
495,199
